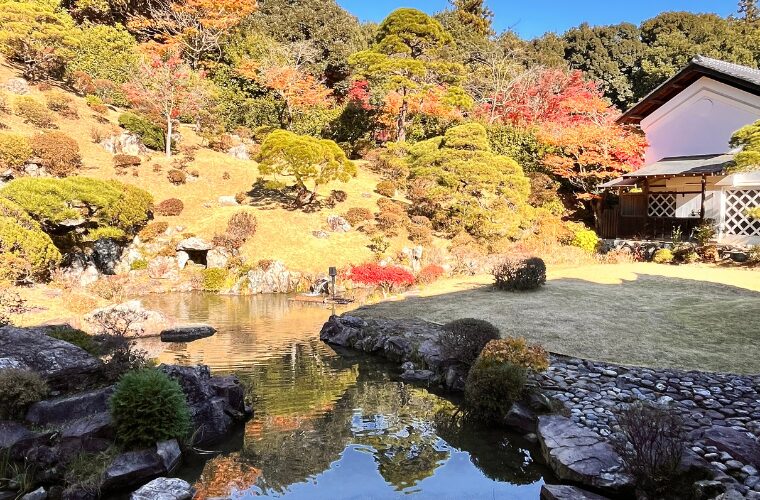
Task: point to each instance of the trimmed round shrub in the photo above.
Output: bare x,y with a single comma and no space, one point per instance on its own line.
126,161
386,188
586,239
18,390
516,350
241,226
421,220
59,153
491,388
34,112
153,230
147,407
338,195
15,150
171,207
421,235
151,134
519,275
663,256
176,177
357,215
464,339
430,273
28,251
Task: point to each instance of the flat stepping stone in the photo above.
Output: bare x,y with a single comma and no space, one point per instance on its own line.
187,333
565,492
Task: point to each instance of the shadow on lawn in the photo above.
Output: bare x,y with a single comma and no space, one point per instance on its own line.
651,320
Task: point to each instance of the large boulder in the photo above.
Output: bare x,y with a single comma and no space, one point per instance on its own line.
187,333
217,258
106,254
63,365
90,434
240,152
126,143
163,267
163,488
274,279
194,244
70,408
740,445
132,469
579,455
17,85
16,440
564,492
142,322
338,224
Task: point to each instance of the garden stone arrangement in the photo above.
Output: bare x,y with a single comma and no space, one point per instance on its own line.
720,412
77,419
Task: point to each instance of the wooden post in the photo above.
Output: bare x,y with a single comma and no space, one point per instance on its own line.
646,204
702,204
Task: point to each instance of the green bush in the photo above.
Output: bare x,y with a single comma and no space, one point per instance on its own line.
214,279
105,233
23,238
151,134
147,407
467,137
34,112
59,153
491,388
386,188
528,274
520,144
663,256
76,337
15,149
107,203
585,239
18,390
139,265
464,339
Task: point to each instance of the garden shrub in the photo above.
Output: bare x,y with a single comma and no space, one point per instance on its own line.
62,104
663,256
15,150
464,339
241,197
11,303
517,351
176,177
170,207
126,161
430,273
4,107
753,213
214,279
421,235
357,215
491,388
421,220
75,337
59,153
518,275
139,265
705,232
390,162
148,406
652,448
18,390
378,244
105,233
22,238
153,230
386,188
388,278
338,196
586,239
241,226
107,203
96,104
151,134
34,112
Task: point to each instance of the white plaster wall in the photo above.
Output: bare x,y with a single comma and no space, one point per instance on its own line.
699,120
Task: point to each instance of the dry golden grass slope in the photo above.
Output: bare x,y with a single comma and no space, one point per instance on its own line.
282,234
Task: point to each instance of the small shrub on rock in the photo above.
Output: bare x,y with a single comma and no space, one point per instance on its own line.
15,150
214,279
153,230
518,275
652,448
151,134
18,390
663,256
171,207
386,188
176,177
517,351
59,153
34,112
464,339
126,161
139,265
147,407
430,273
357,215
491,388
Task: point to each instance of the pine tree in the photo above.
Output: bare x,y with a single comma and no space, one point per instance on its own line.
749,10
475,14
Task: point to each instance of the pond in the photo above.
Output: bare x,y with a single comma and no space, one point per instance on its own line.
331,425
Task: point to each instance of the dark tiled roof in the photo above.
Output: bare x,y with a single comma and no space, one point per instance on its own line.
736,75
686,165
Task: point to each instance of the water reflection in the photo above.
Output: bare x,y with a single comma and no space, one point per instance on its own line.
330,426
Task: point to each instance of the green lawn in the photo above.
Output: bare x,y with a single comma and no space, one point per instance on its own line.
688,317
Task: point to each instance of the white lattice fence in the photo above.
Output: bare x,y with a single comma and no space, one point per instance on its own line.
737,202
661,205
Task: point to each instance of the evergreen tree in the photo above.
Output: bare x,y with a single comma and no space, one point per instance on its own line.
749,11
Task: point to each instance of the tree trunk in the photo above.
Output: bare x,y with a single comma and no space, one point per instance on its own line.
401,122
169,138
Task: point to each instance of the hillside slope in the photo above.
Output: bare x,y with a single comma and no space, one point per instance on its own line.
282,233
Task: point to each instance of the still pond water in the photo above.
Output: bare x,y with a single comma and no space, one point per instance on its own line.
328,425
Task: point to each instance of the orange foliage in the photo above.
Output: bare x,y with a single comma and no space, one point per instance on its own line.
223,474
298,88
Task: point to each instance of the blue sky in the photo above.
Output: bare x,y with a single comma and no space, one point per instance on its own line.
532,18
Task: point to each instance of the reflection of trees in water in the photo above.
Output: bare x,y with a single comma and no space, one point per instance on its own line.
223,474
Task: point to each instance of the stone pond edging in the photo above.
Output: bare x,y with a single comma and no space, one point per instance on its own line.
720,411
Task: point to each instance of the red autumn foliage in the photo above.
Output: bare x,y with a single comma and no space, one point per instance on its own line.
430,273
358,95
386,277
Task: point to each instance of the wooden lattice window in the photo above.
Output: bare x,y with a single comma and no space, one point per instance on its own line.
737,222
661,205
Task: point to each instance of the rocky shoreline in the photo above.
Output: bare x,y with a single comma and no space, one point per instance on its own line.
721,412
